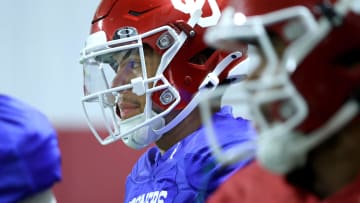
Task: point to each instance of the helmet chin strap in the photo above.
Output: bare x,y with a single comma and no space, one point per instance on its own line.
143,136
281,152
211,81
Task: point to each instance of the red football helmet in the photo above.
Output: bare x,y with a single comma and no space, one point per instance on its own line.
145,59
305,80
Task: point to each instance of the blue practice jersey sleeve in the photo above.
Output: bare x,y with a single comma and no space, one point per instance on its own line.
30,159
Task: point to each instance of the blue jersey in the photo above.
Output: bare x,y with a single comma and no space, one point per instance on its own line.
187,172
30,159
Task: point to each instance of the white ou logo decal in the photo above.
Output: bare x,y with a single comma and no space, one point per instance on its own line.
190,6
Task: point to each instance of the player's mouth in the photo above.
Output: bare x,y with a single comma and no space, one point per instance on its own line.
128,109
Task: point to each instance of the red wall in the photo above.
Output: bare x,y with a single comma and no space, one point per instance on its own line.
92,173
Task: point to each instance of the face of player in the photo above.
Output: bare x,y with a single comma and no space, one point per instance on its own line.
128,66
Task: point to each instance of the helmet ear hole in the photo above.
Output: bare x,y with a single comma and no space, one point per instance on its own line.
201,57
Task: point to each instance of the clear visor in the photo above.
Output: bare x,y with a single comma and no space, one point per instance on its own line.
117,78
118,86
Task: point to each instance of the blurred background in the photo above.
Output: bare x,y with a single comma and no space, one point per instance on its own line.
40,45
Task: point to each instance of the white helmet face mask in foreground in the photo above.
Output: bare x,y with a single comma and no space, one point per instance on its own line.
280,40
138,69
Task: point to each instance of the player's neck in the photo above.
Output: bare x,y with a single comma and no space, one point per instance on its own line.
337,164
179,132
332,165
